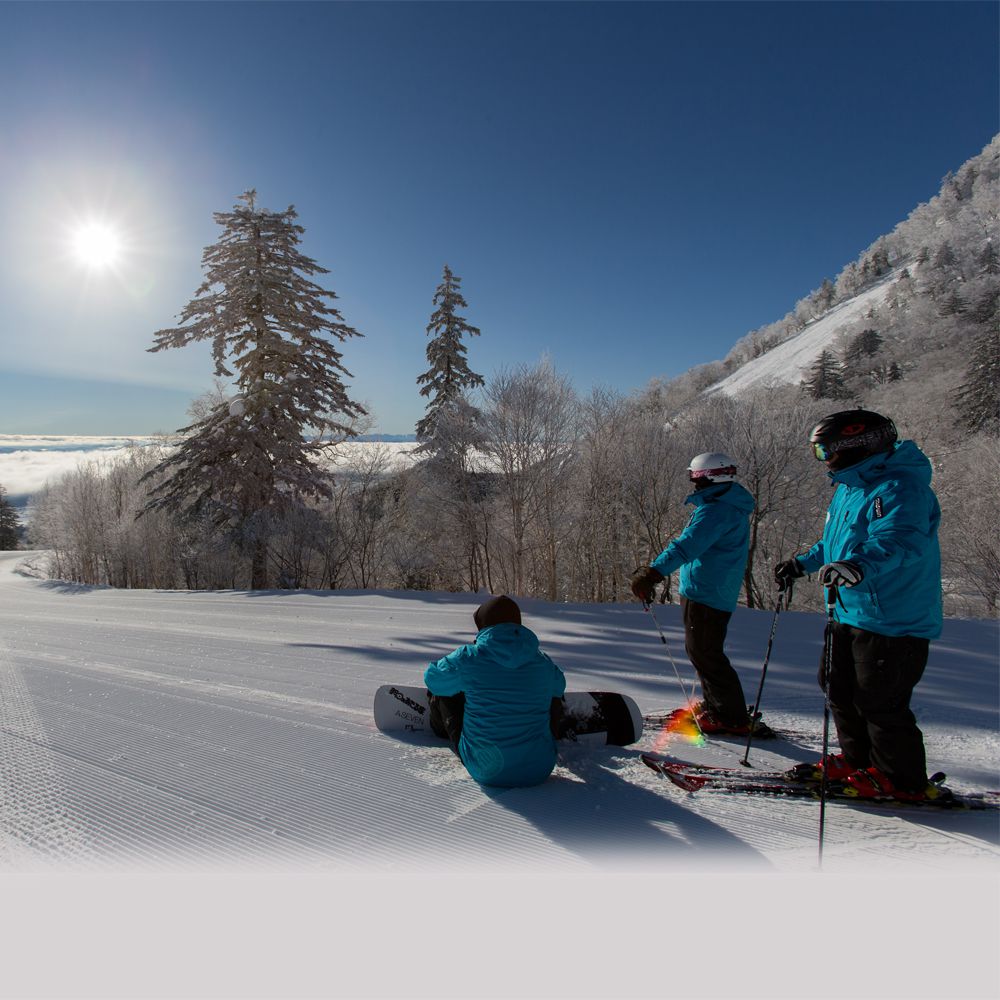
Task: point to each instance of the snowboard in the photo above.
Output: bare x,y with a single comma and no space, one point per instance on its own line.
601,717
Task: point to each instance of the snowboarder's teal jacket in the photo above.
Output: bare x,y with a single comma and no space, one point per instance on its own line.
884,516
509,684
711,552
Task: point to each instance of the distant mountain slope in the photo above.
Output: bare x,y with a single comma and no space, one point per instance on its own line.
789,362
923,298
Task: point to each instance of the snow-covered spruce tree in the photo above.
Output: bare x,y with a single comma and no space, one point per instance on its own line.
10,523
826,378
864,345
272,326
978,398
449,375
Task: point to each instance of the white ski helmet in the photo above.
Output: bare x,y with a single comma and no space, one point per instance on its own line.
713,466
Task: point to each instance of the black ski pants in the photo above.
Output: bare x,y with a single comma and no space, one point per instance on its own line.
872,678
704,637
447,717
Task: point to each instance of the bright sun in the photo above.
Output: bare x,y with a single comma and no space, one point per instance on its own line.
97,245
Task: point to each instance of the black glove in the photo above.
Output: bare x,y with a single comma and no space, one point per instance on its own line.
841,574
787,572
644,581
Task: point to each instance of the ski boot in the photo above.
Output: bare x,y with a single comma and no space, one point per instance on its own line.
837,769
872,784
711,724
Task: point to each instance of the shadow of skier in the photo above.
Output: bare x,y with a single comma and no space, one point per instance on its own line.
618,825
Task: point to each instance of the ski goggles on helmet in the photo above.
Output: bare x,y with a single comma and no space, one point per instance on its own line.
873,440
696,475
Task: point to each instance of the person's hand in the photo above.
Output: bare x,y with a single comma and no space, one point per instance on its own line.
841,574
787,572
644,581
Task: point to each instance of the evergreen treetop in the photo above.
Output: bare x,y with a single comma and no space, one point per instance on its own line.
449,375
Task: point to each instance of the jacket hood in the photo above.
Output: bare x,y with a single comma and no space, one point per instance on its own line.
733,494
514,645
906,459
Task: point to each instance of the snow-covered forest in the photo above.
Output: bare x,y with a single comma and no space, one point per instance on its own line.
523,482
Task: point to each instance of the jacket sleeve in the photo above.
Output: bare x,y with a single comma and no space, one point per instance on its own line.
558,678
705,527
444,676
812,560
900,528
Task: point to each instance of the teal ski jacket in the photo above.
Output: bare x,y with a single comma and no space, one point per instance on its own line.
711,552
884,516
509,684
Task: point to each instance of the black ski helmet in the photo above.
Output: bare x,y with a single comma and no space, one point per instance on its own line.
852,435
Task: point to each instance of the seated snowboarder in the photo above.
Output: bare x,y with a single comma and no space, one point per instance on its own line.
495,699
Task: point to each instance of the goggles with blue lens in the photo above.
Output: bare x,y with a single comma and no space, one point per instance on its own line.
822,451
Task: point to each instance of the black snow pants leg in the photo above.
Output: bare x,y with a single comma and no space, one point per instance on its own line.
447,717
704,638
871,682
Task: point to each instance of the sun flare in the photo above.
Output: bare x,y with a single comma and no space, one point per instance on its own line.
96,245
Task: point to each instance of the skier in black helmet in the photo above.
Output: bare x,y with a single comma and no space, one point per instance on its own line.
880,550
711,554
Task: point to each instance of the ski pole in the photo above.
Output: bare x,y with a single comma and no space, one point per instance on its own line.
784,599
831,603
689,699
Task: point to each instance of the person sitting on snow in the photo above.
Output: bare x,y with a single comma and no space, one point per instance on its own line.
495,699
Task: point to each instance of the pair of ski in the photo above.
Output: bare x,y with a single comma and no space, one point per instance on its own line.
698,777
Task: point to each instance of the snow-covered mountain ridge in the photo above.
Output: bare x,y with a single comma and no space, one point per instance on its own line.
790,361
925,296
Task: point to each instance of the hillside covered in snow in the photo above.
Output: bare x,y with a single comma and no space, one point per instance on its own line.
928,291
790,361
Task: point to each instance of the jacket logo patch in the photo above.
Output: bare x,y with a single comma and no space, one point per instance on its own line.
878,506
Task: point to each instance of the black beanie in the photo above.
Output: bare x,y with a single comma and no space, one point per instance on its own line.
497,610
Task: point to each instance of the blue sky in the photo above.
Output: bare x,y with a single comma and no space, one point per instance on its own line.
627,188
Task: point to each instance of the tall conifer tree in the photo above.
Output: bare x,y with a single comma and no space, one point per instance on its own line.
826,378
979,397
10,523
449,375
273,327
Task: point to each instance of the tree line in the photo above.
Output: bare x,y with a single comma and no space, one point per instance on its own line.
517,484
536,492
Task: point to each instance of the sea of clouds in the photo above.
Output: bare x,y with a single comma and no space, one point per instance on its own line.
29,461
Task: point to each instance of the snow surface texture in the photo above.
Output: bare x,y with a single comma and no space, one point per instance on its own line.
156,731
790,361
194,801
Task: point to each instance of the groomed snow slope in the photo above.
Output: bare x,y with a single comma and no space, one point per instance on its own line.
789,362
230,735
168,730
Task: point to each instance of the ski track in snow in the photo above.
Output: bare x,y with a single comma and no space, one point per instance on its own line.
165,731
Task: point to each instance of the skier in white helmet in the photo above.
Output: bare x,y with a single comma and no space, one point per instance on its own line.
711,554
